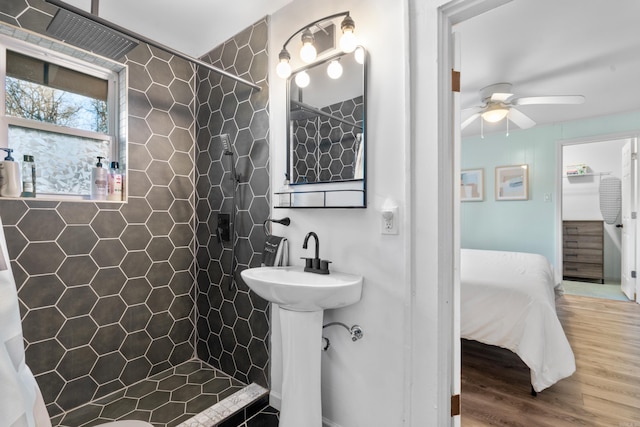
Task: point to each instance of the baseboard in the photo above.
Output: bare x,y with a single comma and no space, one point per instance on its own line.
275,401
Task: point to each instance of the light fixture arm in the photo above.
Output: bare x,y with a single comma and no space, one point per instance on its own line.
313,24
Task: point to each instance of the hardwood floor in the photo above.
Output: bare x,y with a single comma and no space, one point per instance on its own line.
604,391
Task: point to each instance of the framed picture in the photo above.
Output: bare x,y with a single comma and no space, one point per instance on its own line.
472,185
512,182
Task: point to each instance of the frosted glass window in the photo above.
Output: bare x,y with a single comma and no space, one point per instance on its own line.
63,162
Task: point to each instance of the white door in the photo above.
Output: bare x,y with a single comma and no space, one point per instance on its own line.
628,255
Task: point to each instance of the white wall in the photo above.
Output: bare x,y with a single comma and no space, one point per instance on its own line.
580,195
363,383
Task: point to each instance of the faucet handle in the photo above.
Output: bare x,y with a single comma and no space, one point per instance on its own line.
324,265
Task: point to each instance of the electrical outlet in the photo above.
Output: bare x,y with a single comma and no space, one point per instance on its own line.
390,220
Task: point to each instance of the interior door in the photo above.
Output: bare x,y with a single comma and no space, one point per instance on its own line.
628,255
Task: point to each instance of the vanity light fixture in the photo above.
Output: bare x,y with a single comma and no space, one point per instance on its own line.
348,42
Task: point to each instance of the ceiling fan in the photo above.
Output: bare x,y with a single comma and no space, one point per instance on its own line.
499,102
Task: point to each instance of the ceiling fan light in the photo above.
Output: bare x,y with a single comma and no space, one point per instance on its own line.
494,115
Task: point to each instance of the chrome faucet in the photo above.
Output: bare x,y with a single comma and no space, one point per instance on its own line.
315,264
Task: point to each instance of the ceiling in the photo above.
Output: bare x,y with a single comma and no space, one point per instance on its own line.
554,47
542,47
193,27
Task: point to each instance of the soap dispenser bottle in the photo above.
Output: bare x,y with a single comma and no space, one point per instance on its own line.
28,176
9,176
285,195
114,191
99,181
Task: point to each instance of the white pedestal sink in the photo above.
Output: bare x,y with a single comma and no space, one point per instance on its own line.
302,297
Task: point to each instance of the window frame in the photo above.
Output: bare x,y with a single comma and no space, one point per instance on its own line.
63,55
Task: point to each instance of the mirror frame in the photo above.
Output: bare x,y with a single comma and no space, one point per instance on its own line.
328,190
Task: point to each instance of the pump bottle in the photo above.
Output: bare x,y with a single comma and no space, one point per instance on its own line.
9,176
115,182
99,180
28,176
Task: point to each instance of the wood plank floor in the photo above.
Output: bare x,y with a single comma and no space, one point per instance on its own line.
603,392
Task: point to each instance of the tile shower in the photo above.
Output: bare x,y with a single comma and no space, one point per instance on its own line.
112,294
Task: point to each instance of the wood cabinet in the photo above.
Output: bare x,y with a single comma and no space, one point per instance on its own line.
583,250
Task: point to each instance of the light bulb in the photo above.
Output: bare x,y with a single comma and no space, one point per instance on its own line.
308,51
348,41
359,55
283,69
334,70
302,79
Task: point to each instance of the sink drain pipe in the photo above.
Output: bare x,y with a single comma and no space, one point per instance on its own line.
355,331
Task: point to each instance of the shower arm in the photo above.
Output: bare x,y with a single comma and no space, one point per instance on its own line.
148,41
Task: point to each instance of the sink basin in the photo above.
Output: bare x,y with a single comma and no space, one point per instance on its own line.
294,289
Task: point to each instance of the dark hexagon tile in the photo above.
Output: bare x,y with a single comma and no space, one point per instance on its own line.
136,290
77,363
160,198
181,211
136,345
109,281
108,253
160,71
43,356
77,332
41,225
160,97
77,270
42,324
181,139
139,184
159,173
139,157
136,318
139,78
107,368
70,398
11,211
159,350
136,264
159,300
160,122
139,105
160,147
181,283
181,259
139,132
181,163
108,339
15,241
160,223
160,248
108,224
108,310
76,240
182,188
40,291
41,258
50,384
77,301
159,325
181,92
135,237
136,211
181,235
181,115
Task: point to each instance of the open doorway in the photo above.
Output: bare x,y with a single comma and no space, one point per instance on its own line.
592,220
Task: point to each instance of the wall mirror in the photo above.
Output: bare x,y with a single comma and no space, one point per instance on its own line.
326,132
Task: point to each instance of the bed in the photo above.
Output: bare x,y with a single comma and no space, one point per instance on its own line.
507,299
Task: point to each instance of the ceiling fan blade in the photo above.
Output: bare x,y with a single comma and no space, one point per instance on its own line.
520,119
558,99
469,120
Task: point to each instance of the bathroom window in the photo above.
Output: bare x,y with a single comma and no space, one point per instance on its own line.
64,111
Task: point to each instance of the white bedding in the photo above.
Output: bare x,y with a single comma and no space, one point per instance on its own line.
507,299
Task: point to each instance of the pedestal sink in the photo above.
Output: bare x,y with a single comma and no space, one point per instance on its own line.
302,297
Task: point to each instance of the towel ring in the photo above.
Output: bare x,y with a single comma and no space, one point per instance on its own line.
284,221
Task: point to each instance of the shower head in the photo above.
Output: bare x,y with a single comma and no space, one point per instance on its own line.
92,36
226,144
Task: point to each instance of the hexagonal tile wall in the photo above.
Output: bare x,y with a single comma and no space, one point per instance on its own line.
102,286
326,148
230,317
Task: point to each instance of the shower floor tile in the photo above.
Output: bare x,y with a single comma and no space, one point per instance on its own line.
175,397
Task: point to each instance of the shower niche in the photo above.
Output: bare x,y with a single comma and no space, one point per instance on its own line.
326,149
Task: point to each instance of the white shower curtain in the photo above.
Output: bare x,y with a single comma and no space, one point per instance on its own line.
17,384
